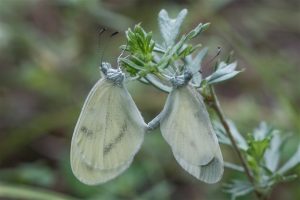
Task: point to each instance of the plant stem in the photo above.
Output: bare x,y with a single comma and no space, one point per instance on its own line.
25,192
216,106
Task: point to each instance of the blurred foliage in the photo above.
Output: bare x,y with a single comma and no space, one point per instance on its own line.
263,152
50,51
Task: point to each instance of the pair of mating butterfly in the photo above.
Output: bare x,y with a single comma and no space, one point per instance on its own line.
110,131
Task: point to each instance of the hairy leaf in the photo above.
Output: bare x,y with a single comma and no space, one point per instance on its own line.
223,73
169,27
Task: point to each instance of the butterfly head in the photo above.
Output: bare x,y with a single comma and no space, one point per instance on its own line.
114,75
181,80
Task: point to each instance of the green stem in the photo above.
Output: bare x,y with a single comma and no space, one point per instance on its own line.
216,106
25,192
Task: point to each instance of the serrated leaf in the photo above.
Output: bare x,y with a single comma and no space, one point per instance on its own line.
291,163
169,27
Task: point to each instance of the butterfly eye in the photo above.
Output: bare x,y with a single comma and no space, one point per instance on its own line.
187,76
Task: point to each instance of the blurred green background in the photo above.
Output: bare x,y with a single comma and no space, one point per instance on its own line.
49,58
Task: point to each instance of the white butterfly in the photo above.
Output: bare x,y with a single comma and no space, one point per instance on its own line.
109,131
185,125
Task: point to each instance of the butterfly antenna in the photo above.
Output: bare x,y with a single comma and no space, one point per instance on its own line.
112,35
213,58
101,31
120,56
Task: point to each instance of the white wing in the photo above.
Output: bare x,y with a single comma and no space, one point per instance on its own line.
186,126
91,176
109,132
210,173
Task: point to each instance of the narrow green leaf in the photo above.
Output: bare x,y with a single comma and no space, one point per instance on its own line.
272,154
25,192
196,31
238,188
257,148
262,131
291,163
158,84
239,138
223,72
195,66
131,64
234,166
223,138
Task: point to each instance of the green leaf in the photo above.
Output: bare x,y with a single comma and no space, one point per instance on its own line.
169,27
157,83
130,64
239,138
291,163
159,49
278,178
221,134
289,178
187,50
140,45
194,65
257,148
223,73
238,188
272,154
223,137
196,31
25,192
234,166
262,131
143,80
167,57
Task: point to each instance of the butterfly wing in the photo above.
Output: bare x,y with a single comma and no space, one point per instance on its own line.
186,126
210,173
91,176
109,132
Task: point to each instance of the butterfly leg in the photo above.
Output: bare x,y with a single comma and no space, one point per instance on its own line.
154,123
